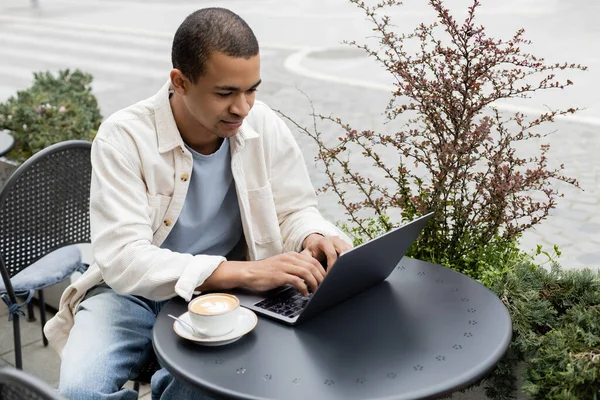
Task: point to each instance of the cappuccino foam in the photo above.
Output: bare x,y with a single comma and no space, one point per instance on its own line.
214,304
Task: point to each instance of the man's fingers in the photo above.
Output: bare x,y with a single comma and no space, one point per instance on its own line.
310,263
306,275
330,252
340,245
299,284
328,247
318,268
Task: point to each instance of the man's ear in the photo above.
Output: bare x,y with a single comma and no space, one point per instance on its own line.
179,81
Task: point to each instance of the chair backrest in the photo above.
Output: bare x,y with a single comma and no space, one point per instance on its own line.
45,204
18,385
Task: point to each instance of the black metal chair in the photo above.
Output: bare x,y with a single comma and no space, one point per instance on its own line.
18,385
44,208
148,369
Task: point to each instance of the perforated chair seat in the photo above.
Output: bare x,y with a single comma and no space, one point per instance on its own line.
47,271
18,385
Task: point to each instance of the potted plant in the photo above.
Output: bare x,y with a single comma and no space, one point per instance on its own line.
51,110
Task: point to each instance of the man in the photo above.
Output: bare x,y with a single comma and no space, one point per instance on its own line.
198,188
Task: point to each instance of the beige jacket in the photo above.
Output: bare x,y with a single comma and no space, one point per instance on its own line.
140,177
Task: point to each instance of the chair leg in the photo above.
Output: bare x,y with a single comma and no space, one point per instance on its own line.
17,337
42,314
136,386
30,313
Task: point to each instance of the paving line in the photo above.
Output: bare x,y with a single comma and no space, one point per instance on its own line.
50,44
341,10
159,5
88,65
29,28
26,75
87,27
293,63
128,32
267,8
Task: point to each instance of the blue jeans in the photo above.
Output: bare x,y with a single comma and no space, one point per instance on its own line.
108,344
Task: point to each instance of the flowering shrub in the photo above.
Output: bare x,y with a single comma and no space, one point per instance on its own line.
456,154
52,110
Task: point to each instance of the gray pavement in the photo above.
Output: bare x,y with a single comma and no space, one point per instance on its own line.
126,46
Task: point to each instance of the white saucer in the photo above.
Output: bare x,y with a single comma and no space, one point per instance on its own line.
247,320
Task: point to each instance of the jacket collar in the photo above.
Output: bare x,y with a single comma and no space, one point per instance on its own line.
169,137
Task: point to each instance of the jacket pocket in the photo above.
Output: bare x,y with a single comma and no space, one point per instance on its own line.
157,208
265,226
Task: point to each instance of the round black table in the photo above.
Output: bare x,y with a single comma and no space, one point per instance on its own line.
425,332
6,143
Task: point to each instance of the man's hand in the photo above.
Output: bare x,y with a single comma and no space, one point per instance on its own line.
297,269
324,247
302,270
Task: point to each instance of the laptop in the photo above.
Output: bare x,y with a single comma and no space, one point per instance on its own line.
354,272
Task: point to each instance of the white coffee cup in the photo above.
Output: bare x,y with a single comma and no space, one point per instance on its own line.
214,314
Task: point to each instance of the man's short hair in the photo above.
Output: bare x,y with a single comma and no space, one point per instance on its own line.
206,31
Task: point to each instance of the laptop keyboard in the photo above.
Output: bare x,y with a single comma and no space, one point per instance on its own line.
289,302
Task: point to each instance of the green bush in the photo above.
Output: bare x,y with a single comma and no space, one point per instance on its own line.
556,330
52,110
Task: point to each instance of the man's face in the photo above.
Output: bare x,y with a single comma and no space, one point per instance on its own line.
223,96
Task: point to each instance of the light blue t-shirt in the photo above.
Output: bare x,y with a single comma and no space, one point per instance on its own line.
210,221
